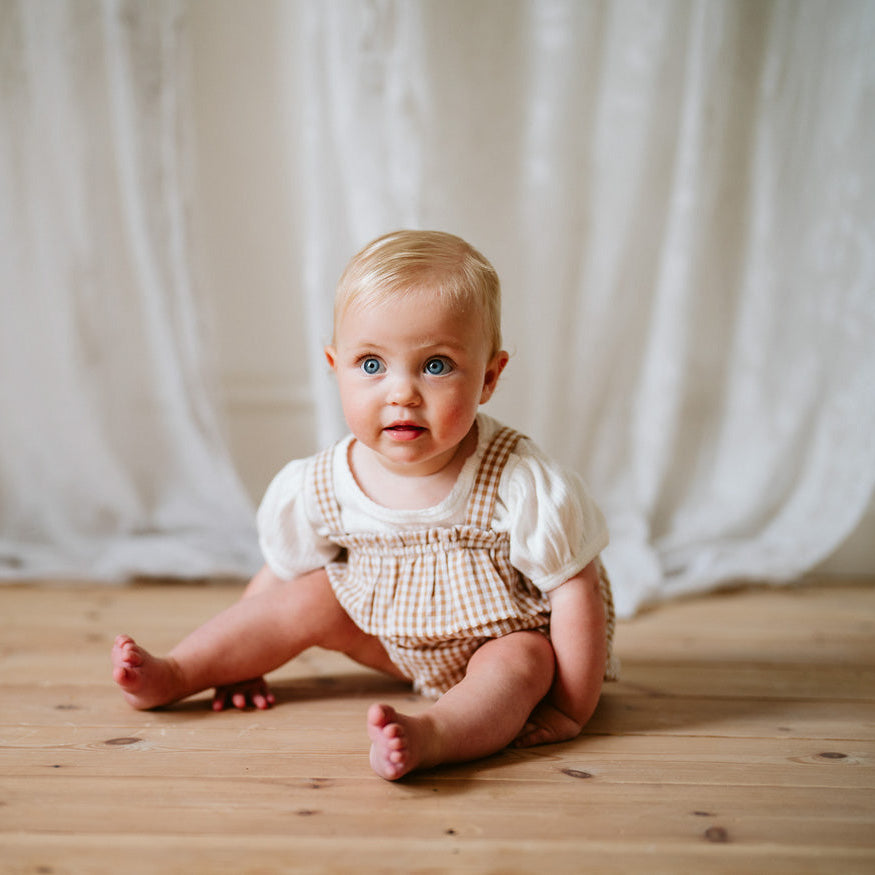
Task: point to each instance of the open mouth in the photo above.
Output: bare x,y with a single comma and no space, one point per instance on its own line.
405,430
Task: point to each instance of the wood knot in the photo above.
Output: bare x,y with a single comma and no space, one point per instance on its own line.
319,783
122,741
576,773
716,834
832,755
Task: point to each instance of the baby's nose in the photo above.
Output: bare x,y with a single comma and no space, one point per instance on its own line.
403,391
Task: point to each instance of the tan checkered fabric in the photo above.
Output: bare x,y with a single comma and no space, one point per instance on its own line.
433,596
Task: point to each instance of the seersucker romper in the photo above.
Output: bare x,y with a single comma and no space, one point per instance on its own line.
433,596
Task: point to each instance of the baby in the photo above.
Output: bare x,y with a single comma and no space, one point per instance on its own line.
432,543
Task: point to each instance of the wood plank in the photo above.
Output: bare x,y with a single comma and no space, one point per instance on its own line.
141,759
443,853
803,625
617,714
88,663
749,678
290,804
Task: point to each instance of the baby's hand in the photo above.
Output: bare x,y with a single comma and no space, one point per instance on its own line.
252,693
546,725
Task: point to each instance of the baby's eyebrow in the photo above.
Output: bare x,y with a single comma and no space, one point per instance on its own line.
431,343
364,346
424,346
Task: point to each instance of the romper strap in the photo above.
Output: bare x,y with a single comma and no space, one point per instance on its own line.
485,491
323,475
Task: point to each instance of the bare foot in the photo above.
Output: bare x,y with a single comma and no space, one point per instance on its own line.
146,681
399,743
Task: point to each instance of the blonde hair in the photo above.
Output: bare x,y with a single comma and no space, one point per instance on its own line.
408,261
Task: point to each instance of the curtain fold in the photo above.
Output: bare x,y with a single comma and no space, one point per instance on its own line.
111,459
678,197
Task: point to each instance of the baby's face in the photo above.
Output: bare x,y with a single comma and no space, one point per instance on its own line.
412,373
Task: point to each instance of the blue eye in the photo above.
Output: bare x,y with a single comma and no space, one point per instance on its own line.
437,367
371,366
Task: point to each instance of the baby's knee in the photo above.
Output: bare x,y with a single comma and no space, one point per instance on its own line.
536,654
526,655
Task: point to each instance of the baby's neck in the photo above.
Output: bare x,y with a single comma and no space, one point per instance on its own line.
398,490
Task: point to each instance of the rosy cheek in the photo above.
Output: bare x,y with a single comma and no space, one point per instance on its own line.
456,415
353,408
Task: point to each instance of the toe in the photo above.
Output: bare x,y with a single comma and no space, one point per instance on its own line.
381,715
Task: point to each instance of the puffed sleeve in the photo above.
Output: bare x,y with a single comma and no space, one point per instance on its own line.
555,527
290,541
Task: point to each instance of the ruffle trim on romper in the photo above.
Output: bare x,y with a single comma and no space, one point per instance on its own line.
435,584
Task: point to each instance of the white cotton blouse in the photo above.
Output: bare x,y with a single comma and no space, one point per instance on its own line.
554,526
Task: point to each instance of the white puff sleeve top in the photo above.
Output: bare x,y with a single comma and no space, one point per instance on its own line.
555,527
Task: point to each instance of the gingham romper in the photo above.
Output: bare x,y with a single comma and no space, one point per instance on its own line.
433,596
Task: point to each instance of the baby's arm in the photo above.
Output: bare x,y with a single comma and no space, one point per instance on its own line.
255,691
578,633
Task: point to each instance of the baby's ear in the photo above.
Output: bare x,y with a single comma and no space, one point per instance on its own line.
331,357
493,371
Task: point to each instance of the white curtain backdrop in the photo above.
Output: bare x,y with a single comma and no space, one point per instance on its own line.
111,463
678,195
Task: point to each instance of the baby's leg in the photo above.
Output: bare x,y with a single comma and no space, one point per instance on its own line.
249,639
483,713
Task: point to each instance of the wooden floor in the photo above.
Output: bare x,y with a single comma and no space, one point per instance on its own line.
741,739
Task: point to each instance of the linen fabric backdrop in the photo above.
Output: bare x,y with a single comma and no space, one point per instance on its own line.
678,196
